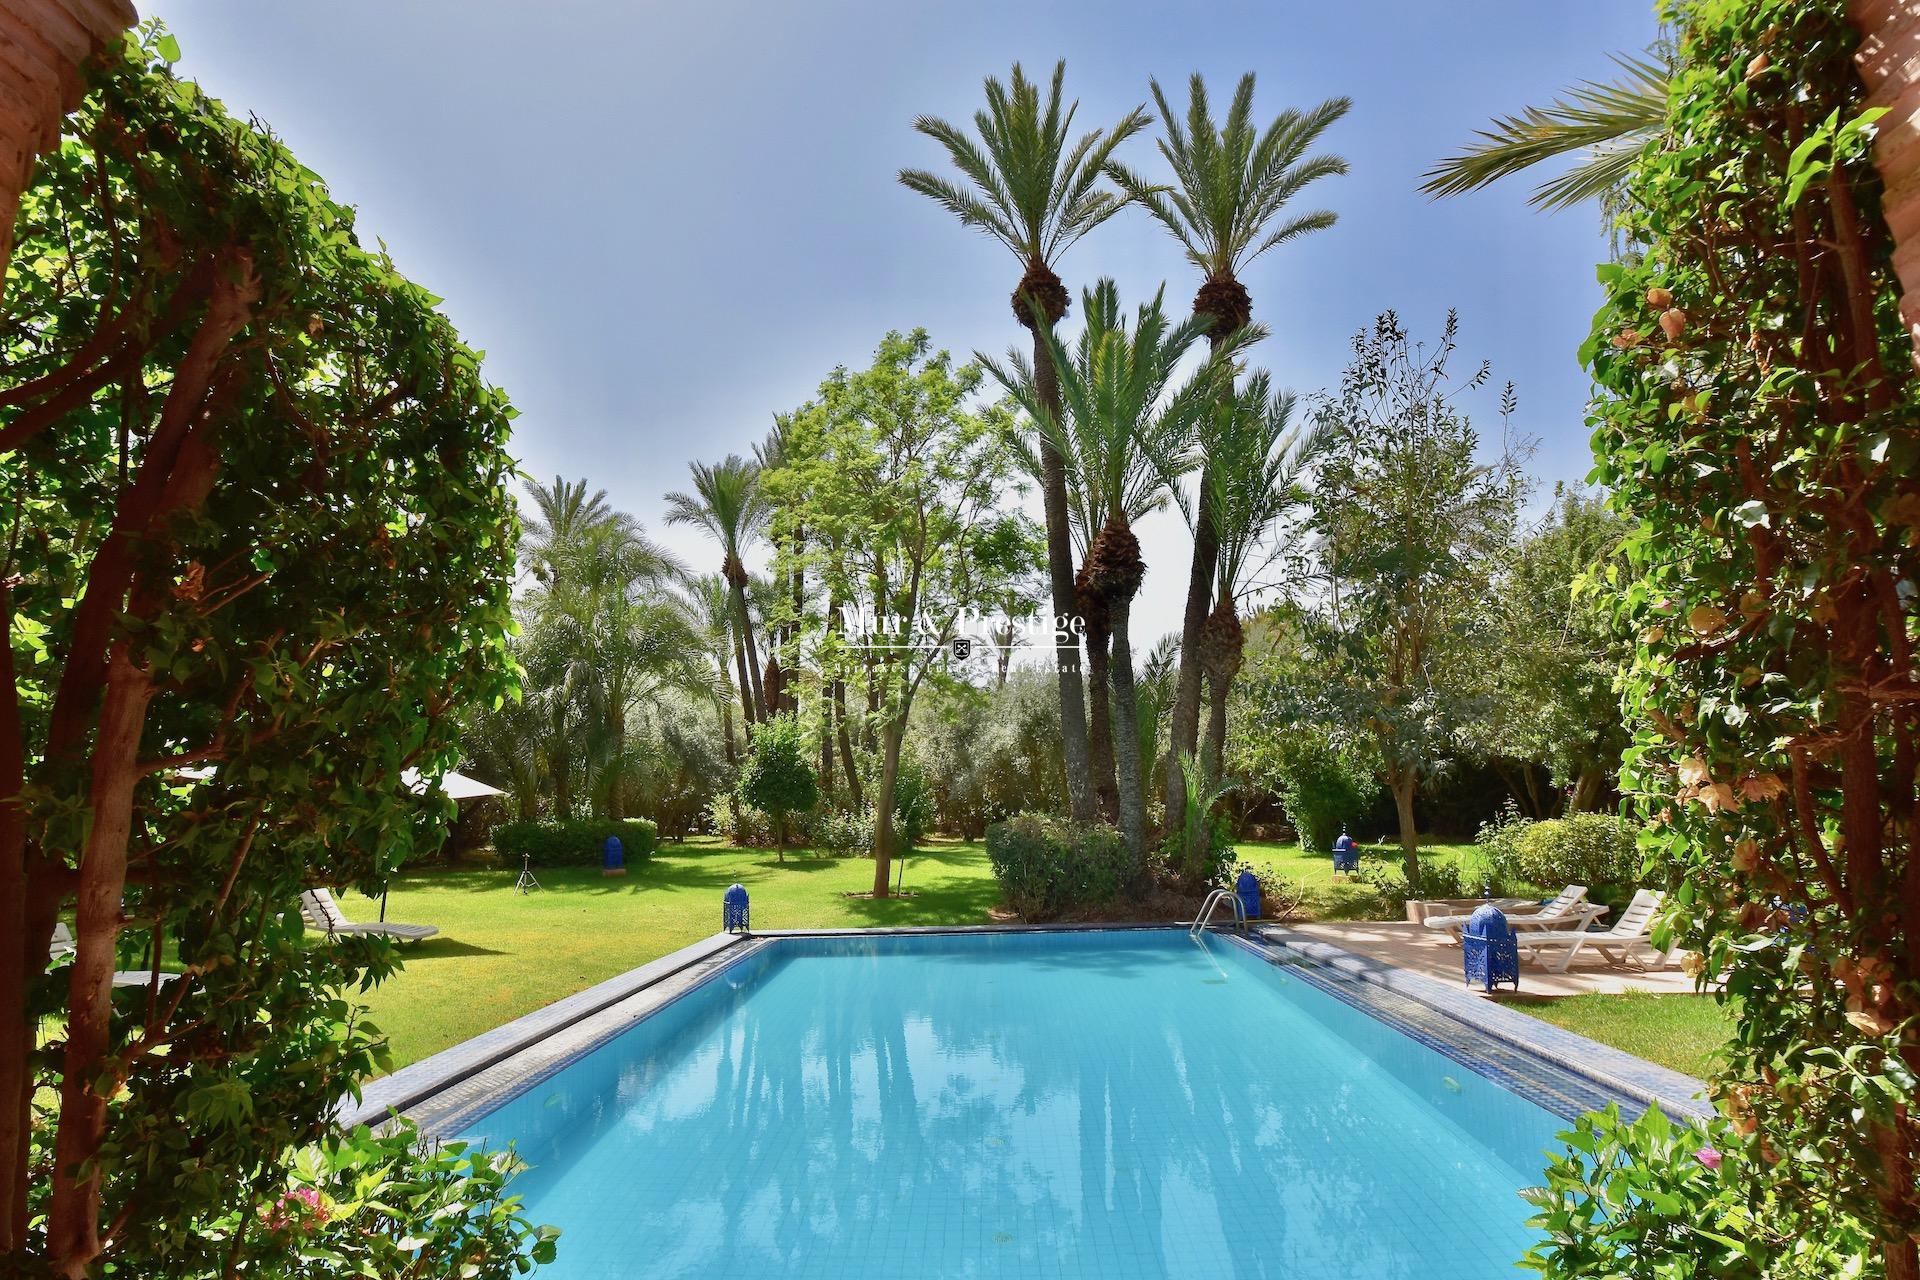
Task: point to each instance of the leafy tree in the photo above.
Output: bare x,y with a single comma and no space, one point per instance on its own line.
728,503
1409,527
901,480
1232,184
1758,423
1552,707
777,778
256,523
1036,190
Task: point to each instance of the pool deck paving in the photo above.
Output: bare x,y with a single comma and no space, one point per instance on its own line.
1404,945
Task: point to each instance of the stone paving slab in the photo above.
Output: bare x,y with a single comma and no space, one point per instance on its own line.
1433,953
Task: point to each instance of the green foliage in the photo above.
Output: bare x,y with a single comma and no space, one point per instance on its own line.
1410,524
1595,849
1201,850
1048,868
778,777
393,1205
844,833
1431,880
1759,428
912,804
575,843
1280,898
1653,1199
991,753
1555,652
321,593
1322,784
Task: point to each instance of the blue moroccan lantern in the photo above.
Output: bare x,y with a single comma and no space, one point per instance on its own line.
1247,889
733,909
1346,854
1491,954
613,857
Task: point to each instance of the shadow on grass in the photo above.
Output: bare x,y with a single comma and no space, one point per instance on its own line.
445,948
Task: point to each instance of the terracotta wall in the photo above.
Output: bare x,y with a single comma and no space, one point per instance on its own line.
1889,61
42,44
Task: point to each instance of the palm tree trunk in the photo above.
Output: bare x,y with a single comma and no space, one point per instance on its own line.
846,742
1214,754
753,652
746,688
1126,742
1100,760
1074,738
1183,731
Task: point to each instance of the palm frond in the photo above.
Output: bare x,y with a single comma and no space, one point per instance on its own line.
1609,121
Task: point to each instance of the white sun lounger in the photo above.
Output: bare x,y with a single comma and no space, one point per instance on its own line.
1568,910
62,944
1633,929
323,913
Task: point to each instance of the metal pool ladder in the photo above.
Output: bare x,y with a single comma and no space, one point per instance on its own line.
1214,899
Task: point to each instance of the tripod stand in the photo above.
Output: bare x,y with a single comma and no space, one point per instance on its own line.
526,883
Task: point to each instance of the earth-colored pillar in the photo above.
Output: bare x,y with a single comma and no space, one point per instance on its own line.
1889,62
42,46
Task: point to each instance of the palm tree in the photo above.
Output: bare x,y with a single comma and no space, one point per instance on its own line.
1226,207
1258,458
1034,188
1119,417
563,514
1609,122
710,601
727,503
628,636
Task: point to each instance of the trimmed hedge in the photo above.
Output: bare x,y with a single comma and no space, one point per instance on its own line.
573,844
1047,867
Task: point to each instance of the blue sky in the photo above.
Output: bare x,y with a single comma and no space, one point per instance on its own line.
665,222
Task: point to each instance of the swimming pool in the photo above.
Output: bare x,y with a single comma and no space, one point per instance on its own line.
1111,1103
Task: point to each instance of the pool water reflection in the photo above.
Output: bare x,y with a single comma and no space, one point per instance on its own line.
1109,1103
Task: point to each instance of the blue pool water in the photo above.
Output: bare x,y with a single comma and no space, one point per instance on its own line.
1108,1104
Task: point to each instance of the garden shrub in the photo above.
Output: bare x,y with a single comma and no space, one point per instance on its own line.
1598,850
575,843
778,777
1434,880
844,833
1320,787
912,804
1048,867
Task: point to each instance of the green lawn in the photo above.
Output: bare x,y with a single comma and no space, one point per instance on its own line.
1683,1032
1347,899
500,954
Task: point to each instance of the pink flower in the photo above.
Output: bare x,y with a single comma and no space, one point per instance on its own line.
1708,1157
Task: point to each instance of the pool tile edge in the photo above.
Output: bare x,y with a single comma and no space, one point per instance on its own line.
436,1074
1615,1070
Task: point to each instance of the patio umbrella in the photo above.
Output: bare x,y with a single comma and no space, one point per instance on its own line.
458,786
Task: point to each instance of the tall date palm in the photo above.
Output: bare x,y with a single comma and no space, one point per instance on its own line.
1227,205
728,503
1036,189
1259,457
1120,413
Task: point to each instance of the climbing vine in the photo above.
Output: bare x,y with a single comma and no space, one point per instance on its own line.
1757,422
255,543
